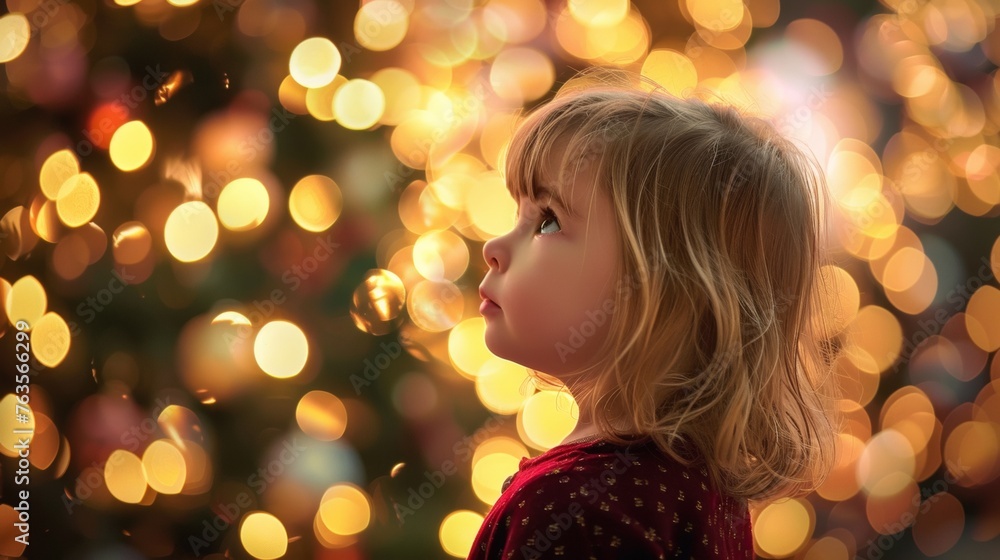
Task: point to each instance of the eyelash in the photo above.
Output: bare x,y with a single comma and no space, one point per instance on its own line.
547,213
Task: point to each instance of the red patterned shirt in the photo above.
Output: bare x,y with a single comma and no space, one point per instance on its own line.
598,500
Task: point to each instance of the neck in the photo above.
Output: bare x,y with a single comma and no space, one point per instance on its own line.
582,431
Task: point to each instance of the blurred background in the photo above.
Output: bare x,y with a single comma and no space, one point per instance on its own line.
245,238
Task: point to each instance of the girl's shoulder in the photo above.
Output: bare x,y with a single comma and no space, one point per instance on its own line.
642,459
606,496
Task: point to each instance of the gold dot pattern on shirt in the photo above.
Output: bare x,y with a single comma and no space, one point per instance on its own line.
614,524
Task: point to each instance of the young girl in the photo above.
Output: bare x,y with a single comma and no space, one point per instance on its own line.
664,268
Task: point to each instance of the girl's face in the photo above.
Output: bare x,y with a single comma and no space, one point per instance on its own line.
552,277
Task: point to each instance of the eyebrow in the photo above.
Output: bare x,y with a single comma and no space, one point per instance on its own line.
541,191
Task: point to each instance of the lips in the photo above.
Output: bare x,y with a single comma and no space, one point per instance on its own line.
488,307
486,297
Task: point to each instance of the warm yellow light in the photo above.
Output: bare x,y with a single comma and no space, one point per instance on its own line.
358,104
281,349
243,204
887,453
164,467
14,35
599,13
466,346
458,530
716,15
671,69
783,527
315,203
11,408
402,93
345,510
131,243
547,418
877,337
57,168
191,231
78,200
490,205
231,318
131,146
435,305
50,339
981,318
522,74
489,474
314,62
124,476
380,24
319,101
26,301
378,301
503,386
321,415
440,255
263,535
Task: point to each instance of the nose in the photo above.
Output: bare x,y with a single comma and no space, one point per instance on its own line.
495,252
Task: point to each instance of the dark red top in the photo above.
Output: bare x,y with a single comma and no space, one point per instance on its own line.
598,500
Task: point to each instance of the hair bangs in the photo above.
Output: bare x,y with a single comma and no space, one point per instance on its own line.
533,155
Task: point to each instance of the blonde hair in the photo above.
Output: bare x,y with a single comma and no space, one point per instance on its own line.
717,337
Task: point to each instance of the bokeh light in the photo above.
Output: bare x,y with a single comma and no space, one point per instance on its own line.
358,104
344,509
164,467
457,531
377,302
14,34
263,535
57,168
26,301
191,231
783,527
315,203
321,415
243,204
78,200
314,62
281,349
546,418
125,477
50,339
381,24
131,146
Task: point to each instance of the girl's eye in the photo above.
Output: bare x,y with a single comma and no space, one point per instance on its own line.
548,216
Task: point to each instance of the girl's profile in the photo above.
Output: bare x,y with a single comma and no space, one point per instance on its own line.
665,269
